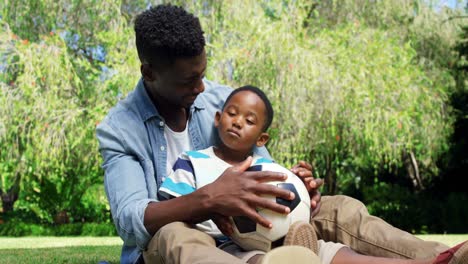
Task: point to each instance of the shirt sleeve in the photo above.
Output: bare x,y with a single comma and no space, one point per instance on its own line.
181,180
125,185
263,152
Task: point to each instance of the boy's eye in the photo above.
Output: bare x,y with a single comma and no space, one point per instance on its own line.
250,122
231,113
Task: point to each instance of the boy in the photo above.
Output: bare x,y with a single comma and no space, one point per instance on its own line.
242,124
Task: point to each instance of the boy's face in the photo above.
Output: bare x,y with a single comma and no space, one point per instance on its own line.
240,125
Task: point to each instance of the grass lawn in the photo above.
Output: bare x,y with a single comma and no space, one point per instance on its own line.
45,250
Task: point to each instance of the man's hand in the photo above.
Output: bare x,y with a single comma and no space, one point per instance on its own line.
238,192
304,171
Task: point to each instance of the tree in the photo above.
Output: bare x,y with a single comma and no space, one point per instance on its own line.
352,95
358,87
56,86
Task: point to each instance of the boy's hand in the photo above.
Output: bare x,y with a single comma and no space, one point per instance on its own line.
238,192
304,171
224,224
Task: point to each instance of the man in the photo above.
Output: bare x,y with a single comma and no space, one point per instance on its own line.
172,110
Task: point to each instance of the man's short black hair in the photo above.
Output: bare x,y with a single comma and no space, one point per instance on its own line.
262,95
166,32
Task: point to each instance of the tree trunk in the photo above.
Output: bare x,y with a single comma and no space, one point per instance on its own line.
11,196
330,177
61,218
8,201
412,168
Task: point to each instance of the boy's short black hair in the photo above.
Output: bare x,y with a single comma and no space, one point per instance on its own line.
165,33
262,95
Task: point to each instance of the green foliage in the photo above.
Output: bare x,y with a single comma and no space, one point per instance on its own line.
358,95
399,206
50,115
357,87
50,107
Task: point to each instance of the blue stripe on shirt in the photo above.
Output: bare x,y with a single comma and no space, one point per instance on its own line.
181,188
197,154
183,164
255,168
263,160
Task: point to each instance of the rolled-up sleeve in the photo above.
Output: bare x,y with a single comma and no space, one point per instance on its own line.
125,184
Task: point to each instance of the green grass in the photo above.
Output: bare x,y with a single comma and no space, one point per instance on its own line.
56,242
75,254
45,250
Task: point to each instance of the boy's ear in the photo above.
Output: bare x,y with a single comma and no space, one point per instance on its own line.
147,73
262,139
217,118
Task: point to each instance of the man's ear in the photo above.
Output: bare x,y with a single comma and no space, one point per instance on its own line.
217,118
262,139
148,74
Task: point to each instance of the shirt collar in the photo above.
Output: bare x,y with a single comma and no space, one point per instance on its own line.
144,103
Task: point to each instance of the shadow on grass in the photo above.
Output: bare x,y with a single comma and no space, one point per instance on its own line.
78,254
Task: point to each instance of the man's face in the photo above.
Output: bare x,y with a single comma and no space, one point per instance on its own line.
180,83
240,125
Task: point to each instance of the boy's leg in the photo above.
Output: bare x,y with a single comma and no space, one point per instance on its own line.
346,220
178,243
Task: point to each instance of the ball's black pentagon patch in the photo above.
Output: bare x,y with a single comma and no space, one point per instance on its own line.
277,243
244,224
255,168
289,203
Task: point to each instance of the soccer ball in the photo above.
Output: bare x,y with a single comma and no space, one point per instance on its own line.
251,236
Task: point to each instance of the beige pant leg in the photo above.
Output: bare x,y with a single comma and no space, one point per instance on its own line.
177,243
346,220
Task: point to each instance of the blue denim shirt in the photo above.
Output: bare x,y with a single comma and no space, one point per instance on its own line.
133,147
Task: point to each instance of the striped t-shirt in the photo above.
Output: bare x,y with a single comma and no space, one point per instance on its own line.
193,170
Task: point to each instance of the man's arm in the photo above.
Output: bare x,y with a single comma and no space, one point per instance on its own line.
126,186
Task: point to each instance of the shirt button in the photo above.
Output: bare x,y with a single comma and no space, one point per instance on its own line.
163,178
162,148
161,123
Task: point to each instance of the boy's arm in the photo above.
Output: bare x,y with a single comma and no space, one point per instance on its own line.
304,171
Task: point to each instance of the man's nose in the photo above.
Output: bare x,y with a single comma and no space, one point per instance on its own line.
199,87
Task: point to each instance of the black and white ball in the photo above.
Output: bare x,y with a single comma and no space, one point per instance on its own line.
251,236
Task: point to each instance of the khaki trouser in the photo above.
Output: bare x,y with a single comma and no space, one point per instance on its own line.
341,219
177,243
346,220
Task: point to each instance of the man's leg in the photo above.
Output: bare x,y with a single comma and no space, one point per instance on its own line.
346,220
178,243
